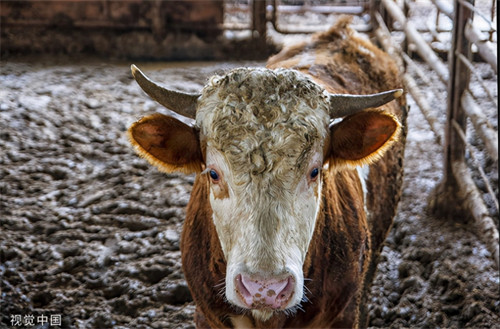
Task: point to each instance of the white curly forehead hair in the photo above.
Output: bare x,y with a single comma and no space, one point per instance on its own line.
260,118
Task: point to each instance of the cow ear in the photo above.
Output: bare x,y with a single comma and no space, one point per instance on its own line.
167,143
362,138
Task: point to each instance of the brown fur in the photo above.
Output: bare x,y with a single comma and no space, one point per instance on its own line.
223,193
342,255
166,143
340,232
201,247
340,66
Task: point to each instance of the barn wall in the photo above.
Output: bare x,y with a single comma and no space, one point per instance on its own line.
183,29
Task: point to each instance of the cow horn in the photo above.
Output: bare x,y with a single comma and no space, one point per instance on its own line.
342,105
181,103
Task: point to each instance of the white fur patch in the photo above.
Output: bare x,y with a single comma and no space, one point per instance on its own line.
363,173
366,51
306,59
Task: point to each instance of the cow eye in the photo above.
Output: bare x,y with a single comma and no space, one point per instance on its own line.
214,175
314,173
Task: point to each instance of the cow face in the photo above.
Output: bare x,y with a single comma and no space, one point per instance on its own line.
262,138
265,133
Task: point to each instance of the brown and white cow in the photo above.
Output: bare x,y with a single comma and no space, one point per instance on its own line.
297,181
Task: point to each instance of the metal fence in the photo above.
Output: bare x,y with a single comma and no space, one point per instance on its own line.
469,134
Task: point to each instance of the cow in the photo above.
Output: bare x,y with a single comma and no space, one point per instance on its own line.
298,174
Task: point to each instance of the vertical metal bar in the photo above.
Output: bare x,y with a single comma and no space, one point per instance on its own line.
437,18
274,15
458,83
493,12
406,11
157,21
259,19
374,10
106,10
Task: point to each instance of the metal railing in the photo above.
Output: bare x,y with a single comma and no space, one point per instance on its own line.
458,190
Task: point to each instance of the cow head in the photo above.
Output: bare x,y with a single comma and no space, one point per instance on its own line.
263,137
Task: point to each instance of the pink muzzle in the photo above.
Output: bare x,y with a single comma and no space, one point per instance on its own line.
259,293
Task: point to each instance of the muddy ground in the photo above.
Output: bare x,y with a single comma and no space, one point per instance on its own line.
90,232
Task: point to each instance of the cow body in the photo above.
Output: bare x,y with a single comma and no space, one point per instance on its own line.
286,205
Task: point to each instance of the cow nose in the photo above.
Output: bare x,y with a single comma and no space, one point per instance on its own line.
258,293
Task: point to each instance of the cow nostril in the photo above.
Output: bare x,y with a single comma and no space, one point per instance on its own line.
257,292
287,291
240,287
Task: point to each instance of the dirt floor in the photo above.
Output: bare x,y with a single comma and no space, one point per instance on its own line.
90,232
